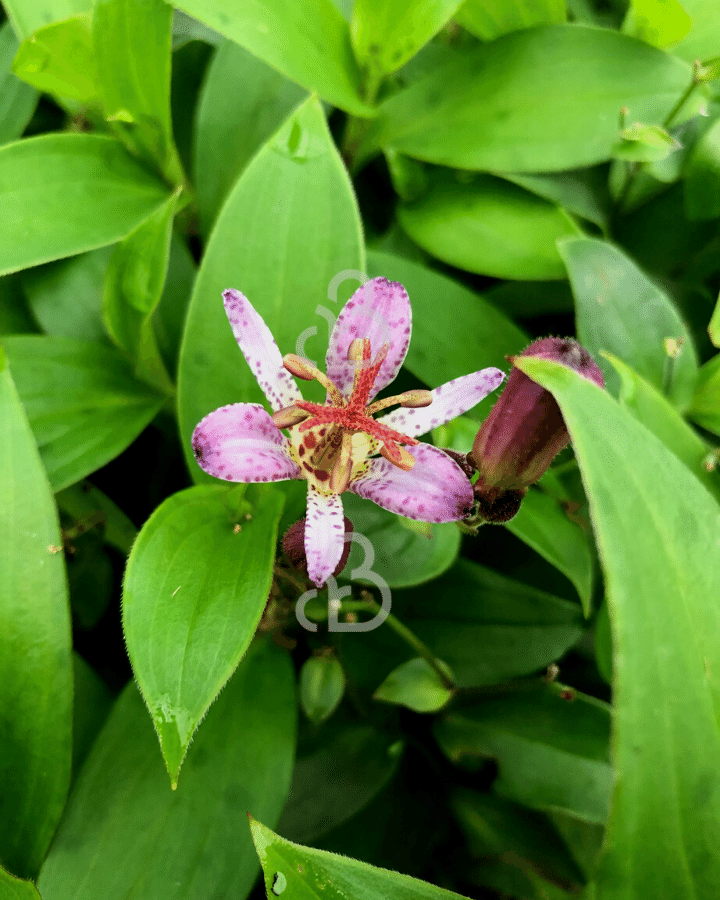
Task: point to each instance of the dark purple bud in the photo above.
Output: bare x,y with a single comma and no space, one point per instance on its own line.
525,429
462,459
293,544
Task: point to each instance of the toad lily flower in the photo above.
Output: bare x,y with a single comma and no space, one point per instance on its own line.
339,445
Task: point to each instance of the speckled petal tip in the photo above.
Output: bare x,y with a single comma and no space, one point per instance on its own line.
434,490
241,443
380,311
452,399
260,350
324,534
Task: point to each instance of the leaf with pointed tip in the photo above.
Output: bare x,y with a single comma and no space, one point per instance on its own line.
705,406
322,685
27,16
17,100
417,685
12,888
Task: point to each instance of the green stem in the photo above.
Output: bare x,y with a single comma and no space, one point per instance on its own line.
356,127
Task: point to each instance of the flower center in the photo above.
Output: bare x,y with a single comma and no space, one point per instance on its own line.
332,442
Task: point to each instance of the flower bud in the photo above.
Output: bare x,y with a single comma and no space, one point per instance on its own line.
525,429
293,544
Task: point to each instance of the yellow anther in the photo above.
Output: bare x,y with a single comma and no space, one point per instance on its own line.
399,457
289,416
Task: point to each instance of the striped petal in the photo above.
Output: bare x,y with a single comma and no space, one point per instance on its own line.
452,399
324,534
241,443
260,350
434,490
380,311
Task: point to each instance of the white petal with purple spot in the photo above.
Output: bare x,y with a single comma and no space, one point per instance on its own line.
242,443
380,311
452,399
324,534
434,490
260,350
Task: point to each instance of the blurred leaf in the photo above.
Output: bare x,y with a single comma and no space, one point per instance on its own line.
194,839
703,39
86,503
662,567
17,100
644,143
489,226
12,888
620,310
322,685
289,227
308,44
583,192
528,299
133,46
84,404
35,663
544,525
416,685
443,347
91,579
651,408
539,100
59,59
705,406
405,552
47,180
169,318
186,29
489,19
66,296
661,23
552,752
387,33
91,708
310,874
243,103
702,176
714,325
603,644
189,617
15,316
189,68
27,16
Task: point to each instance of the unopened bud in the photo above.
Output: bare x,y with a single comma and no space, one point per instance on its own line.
293,544
299,367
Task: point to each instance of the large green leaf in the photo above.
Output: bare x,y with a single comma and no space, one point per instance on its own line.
705,406
12,888
489,19
703,39
656,529
288,228
196,583
310,874
243,102
126,834
619,309
35,662
538,100
310,44
27,16
84,404
68,193
487,225
17,100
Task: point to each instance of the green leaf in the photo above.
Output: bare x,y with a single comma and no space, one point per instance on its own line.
620,310
702,176
322,685
194,839
84,404
15,315
661,23
703,39
489,19
59,59
86,504
539,100
308,44
289,227
133,46
714,325
93,702
169,318
443,347
387,33
552,748
17,100
644,143
66,296
582,192
35,661
243,102
487,225
705,406
27,16
12,888
543,525
417,685
656,530
196,584
88,183
310,874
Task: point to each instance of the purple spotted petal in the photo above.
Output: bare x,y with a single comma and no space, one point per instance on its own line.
260,350
380,311
434,490
450,400
324,534
241,443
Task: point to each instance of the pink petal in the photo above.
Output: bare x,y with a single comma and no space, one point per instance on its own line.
450,400
241,443
260,350
380,311
324,534
434,490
